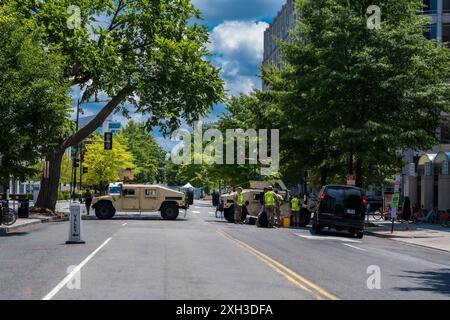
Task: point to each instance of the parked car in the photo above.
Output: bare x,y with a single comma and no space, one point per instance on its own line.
341,208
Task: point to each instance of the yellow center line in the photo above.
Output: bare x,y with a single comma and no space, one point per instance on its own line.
289,274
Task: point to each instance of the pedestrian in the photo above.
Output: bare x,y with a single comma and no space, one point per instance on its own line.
88,200
407,212
295,211
238,204
279,200
270,200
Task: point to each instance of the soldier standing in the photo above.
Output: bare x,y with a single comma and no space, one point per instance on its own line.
270,201
238,203
295,210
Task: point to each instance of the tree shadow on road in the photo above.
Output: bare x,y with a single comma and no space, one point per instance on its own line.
430,280
135,217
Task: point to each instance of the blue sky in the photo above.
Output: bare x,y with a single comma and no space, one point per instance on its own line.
236,38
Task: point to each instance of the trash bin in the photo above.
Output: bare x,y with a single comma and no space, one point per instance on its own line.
24,209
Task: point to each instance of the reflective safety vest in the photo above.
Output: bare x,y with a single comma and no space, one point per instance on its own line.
239,199
269,199
295,204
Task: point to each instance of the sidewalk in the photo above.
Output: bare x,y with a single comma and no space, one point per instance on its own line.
35,220
426,235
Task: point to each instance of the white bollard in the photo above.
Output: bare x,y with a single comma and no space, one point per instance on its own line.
75,231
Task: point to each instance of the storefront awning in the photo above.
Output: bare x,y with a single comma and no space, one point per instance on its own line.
428,157
442,157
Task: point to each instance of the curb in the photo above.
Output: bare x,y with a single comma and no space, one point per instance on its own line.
20,228
399,239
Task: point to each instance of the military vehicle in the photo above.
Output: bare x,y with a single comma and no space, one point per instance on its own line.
140,198
253,200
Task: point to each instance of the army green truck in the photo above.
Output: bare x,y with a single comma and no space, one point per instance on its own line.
140,198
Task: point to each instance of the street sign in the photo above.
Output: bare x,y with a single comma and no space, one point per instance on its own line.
75,234
351,180
108,140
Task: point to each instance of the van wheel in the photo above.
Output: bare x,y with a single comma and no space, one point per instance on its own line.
104,211
360,234
170,212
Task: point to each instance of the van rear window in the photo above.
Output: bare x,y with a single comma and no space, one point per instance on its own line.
340,198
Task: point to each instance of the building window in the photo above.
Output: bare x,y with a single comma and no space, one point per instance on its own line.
445,134
446,6
431,32
430,6
446,33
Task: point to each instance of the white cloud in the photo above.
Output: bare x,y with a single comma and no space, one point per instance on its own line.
239,46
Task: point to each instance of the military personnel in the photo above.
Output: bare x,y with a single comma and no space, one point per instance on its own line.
295,211
238,203
270,203
279,201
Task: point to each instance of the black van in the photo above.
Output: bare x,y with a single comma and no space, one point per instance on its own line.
341,208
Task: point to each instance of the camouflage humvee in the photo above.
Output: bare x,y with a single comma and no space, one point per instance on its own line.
140,198
254,200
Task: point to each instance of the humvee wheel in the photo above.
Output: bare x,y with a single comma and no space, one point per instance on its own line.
104,211
228,214
169,212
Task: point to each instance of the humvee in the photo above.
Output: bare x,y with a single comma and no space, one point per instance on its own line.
140,198
254,200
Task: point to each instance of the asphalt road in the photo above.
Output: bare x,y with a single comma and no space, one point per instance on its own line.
200,257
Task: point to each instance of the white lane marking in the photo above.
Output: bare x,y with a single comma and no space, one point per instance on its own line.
354,247
212,213
327,238
124,224
77,269
195,211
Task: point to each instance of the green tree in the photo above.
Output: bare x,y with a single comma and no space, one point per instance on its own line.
150,54
148,155
353,97
33,97
104,165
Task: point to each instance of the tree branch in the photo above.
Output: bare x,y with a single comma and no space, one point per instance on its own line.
101,117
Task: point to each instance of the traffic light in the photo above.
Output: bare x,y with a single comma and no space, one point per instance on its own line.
76,163
85,170
108,140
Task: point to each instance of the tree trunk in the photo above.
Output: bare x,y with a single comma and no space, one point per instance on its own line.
323,177
48,194
359,173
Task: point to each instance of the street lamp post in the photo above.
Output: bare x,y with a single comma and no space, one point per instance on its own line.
75,157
